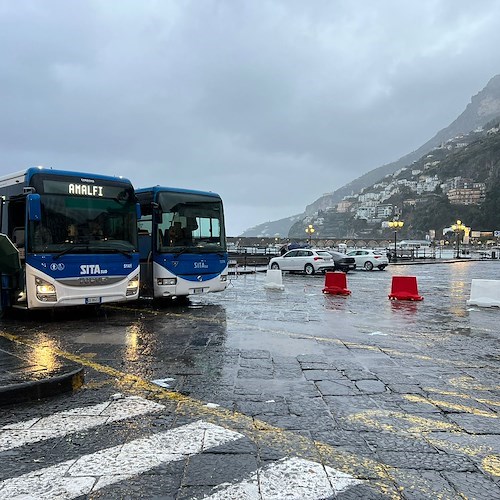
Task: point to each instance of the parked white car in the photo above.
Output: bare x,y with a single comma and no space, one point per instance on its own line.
368,259
307,260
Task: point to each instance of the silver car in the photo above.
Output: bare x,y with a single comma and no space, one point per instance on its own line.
368,259
307,260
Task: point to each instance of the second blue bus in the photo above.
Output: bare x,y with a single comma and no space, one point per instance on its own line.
182,242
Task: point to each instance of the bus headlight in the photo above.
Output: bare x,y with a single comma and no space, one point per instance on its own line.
166,281
133,285
45,291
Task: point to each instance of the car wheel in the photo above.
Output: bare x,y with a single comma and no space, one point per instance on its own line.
368,265
381,267
275,265
309,269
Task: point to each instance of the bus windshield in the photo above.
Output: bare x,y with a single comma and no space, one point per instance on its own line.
190,222
84,224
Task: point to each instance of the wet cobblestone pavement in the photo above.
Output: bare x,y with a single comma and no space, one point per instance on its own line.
402,398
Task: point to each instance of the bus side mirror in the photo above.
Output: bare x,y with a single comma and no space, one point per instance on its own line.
138,210
34,207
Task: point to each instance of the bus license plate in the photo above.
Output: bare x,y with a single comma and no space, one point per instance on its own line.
197,290
93,300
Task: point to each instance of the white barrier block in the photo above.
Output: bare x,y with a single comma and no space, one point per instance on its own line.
274,280
484,293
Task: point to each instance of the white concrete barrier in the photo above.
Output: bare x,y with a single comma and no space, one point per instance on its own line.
274,280
484,293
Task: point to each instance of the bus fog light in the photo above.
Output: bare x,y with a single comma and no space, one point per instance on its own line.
133,285
166,281
223,277
45,291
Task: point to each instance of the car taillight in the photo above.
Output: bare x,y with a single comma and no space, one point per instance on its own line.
318,258
377,256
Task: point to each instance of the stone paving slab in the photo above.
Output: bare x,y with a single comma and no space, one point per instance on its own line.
25,374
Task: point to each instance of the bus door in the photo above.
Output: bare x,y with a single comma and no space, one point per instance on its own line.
145,237
12,251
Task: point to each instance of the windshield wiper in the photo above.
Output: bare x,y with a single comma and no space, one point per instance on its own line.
69,249
184,250
124,252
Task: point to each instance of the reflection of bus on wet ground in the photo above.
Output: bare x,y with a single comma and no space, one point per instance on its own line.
76,236
182,242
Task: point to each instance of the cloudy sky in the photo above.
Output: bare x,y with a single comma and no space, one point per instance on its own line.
270,103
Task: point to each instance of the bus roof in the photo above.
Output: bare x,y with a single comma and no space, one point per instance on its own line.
29,172
162,189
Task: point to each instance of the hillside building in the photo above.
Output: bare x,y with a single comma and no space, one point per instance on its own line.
473,195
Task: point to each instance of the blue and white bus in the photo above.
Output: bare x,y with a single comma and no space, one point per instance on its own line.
182,242
76,234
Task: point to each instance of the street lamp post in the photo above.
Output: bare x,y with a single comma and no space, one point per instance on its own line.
456,229
309,230
396,224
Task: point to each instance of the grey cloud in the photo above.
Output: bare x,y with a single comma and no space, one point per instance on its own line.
269,103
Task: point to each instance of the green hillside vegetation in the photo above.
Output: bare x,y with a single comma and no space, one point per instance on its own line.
480,161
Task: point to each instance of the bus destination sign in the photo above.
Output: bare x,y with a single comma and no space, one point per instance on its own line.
85,189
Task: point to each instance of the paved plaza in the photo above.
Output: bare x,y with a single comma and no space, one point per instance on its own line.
269,394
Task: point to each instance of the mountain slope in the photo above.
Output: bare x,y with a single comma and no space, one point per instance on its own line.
275,228
483,107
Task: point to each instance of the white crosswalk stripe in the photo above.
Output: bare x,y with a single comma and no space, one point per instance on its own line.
291,478
92,472
75,420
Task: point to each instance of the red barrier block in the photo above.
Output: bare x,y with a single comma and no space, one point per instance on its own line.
404,288
336,283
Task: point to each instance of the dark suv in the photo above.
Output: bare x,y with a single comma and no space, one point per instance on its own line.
342,262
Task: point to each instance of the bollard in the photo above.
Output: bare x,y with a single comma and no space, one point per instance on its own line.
274,280
404,288
336,284
484,293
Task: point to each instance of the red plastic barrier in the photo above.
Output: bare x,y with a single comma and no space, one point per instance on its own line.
404,288
336,283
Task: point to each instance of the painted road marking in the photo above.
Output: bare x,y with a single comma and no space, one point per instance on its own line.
290,478
287,441
75,420
92,472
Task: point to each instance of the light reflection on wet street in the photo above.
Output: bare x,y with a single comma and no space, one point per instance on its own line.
367,313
